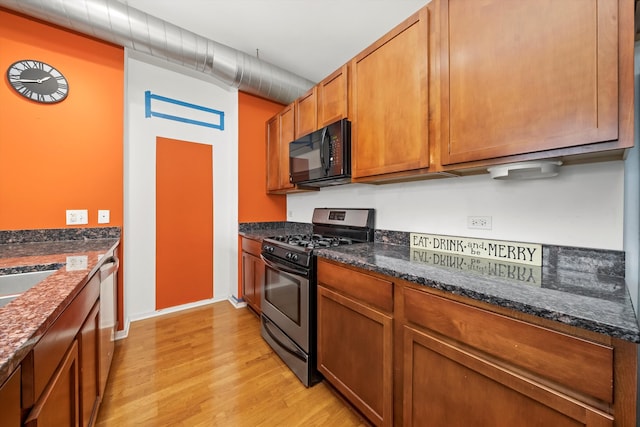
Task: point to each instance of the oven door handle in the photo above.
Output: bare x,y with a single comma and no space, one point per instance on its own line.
280,267
293,351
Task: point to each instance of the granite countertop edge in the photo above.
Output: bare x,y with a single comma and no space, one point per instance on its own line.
455,283
24,320
602,270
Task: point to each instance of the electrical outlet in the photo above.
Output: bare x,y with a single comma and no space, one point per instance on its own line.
479,222
77,216
103,216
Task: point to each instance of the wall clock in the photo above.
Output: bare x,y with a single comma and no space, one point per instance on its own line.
38,81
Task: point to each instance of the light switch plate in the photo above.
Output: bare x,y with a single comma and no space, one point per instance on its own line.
77,216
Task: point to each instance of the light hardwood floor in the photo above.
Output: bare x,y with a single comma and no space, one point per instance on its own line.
209,366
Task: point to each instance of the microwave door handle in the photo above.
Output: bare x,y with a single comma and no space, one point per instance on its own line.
325,167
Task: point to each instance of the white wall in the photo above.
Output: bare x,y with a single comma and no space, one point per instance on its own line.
582,206
142,74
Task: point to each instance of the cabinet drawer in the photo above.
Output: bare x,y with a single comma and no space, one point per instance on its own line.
48,352
580,365
369,289
252,246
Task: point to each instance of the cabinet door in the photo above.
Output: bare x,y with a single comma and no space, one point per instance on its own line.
389,109
89,349
248,291
332,97
258,282
252,280
306,113
273,154
280,132
355,353
447,385
287,135
58,404
10,401
528,75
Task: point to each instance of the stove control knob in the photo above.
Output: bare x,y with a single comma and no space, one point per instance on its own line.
294,257
268,249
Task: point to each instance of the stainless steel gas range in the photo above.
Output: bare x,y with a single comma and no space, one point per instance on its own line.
289,297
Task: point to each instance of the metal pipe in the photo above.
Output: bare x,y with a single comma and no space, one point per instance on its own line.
120,24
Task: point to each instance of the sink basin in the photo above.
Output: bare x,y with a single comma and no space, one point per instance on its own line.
12,285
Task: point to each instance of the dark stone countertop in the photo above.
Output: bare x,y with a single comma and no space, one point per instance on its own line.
262,230
24,320
582,288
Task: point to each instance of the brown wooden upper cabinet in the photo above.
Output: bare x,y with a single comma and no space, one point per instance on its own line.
389,103
306,115
528,76
280,132
459,86
323,104
333,95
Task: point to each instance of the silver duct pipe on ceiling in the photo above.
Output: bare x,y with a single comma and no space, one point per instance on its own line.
126,26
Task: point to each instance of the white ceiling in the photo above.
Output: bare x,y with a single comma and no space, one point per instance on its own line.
311,38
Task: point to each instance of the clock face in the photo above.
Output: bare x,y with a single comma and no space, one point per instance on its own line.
38,81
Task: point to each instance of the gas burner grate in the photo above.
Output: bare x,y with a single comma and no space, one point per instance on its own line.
313,240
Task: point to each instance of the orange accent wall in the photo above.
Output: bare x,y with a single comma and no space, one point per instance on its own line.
184,222
254,205
67,155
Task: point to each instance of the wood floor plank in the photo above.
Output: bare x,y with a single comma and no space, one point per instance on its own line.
209,366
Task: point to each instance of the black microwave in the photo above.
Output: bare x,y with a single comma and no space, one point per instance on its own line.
323,157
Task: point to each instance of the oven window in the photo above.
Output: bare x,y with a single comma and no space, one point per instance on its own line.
282,290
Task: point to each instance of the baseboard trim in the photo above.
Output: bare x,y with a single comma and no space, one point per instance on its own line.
162,312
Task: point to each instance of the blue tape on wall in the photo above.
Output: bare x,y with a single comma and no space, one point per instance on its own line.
180,111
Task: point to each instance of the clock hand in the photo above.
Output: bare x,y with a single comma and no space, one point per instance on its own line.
34,81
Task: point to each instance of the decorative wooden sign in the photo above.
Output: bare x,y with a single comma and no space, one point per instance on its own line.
522,253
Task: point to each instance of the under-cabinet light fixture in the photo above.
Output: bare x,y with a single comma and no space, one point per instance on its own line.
526,170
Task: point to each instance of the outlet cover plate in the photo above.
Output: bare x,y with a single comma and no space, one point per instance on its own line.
479,222
103,216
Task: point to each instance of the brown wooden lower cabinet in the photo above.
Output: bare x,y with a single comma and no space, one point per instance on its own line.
447,385
59,404
61,377
440,360
355,345
253,271
10,398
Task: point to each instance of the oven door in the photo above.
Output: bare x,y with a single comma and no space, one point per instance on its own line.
285,300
